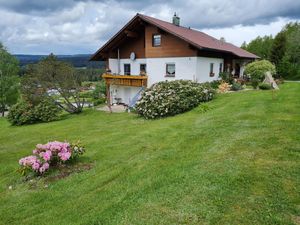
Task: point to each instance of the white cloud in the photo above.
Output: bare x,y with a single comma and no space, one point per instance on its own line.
238,34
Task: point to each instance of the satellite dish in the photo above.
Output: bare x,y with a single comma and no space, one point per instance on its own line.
132,56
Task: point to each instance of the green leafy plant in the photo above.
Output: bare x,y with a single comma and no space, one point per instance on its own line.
25,113
236,86
254,83
215,84
264,86
170,98
226,77
99,101
9,80
258,69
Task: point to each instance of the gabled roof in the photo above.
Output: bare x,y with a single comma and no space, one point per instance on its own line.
194,37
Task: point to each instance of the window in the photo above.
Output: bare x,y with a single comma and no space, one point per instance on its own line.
143,69
221,68
126,69
156,40
211,71
170,70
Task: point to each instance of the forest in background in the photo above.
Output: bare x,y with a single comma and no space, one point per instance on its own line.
283,50
88,70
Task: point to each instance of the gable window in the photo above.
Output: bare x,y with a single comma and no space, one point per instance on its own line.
127,69
170,70
156,40
143,68
221,68
211,70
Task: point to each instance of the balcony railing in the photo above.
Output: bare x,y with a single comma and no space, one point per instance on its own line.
125,80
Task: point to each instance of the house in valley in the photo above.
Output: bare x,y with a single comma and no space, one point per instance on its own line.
148,50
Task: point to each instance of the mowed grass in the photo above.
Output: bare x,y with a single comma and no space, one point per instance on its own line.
237,163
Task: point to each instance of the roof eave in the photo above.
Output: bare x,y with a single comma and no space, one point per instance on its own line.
92,58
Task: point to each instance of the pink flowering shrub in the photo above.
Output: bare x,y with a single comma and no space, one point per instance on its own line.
49,154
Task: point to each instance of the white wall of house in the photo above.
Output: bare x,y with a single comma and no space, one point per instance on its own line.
187,68
203,68
134,65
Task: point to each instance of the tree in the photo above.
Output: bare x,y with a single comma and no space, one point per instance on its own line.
290,63
9,80
50,74
244,45
260,46
278,48
285,51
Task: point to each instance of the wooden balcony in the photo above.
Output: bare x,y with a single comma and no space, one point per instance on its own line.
125,80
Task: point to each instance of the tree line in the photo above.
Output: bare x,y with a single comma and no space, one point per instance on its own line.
283,50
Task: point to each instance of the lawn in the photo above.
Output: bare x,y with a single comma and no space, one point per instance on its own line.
236,163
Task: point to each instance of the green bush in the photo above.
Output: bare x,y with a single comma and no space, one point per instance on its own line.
255,83
257,69
264,86
99,101
226,77
46,111
236,86
215,84
169,98
100,90
26,113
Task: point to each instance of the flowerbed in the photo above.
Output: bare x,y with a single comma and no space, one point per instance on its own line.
49,155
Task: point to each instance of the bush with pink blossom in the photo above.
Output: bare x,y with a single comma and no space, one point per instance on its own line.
49,155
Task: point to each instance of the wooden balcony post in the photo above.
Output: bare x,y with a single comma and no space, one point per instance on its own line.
108,97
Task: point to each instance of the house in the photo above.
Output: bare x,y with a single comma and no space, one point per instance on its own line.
148,50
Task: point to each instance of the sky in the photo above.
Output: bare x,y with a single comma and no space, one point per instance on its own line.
82,26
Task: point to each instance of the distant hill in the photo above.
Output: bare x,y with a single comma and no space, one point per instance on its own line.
79,61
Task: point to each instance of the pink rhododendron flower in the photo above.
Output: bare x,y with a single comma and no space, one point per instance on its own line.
35,166
44,167
46,155
64,156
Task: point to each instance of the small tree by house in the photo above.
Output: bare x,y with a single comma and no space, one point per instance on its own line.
52,74
9,80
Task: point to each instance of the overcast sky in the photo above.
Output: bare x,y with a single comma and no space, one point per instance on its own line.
79,26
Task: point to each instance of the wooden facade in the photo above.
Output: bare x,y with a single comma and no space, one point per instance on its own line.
171,46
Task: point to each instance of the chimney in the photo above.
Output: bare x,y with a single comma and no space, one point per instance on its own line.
176,20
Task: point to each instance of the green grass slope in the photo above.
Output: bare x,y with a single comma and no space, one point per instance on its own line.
237,163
